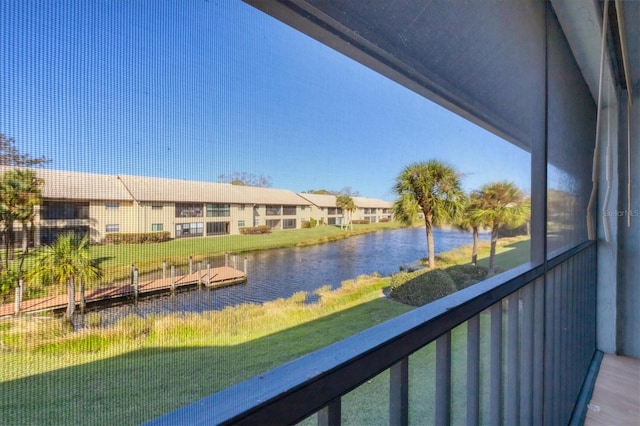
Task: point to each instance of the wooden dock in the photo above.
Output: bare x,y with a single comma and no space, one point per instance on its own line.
213,278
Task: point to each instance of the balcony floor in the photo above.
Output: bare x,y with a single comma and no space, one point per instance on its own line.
616,397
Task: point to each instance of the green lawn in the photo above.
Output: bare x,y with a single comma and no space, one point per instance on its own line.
142,368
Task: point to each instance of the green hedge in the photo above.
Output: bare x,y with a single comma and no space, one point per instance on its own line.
360,222
254,230
137,238
421,287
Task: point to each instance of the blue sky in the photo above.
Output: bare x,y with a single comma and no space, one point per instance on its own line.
195,89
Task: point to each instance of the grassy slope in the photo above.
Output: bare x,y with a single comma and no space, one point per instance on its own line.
105,380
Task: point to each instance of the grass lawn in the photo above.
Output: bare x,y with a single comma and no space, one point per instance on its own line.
141,368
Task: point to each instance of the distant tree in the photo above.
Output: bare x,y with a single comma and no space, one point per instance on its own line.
347,190
433,189
66,261
345,202
500,204
246,179
10,156
320,192
19,194
466,222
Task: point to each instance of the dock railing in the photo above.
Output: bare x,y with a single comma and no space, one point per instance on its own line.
528,340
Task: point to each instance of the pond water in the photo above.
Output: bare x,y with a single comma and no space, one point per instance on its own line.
279,273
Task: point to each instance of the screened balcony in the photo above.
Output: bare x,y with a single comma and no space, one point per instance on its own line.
522,347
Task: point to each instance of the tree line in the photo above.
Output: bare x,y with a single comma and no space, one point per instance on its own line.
433,190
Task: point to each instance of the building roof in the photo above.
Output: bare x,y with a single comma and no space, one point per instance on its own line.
320,200
371,203
64,185
149,189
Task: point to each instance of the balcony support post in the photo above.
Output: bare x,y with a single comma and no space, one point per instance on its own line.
473,370
443,379
399,393
331,414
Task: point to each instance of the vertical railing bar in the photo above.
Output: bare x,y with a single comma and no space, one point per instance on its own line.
331,414
565,377
495,369
399,393
538,351
473,370
573,325
526,356
557,326
511,389
443,379
548,348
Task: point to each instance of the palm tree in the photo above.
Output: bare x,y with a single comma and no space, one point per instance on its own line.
66,261
433,189
466,222
19,194
345,202
500,204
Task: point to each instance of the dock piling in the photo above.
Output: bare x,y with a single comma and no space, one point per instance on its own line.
173,278
226,258
164,269
190,265
199,274
18,295
235,262
245,265
208,281
135,283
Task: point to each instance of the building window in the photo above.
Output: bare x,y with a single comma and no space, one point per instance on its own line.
112,205
55,210
240,223
288,224
273,223
241,208
188,210
155,227
334,210
273,210
256,222
218,210
112,228
289,210
217,228
156,207
184,230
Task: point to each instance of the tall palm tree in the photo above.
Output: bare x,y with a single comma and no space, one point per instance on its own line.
346,203
19,194
500,204
66,261
466,222
433,189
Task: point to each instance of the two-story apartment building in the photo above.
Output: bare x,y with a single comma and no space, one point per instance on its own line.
97,205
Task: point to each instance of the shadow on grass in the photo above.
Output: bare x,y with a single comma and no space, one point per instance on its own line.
145,383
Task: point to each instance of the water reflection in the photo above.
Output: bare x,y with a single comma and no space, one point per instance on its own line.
282,272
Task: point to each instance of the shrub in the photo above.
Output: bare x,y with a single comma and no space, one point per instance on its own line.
255,230
421,287
137,238
313,222
306,224
465,275
8,280
360,222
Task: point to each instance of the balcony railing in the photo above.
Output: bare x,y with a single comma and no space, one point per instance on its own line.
528,340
